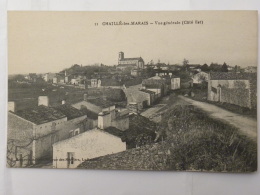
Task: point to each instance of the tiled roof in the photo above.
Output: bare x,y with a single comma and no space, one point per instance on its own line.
230,76
139,124
126,59
40,114
69,111
114,131
101,102
90,114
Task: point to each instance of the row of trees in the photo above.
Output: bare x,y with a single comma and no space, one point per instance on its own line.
215,67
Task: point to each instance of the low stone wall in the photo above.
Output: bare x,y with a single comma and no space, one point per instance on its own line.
237,96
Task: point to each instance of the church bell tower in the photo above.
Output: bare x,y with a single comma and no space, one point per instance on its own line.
121,56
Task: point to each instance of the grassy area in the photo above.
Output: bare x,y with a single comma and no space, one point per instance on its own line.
190,141
197,142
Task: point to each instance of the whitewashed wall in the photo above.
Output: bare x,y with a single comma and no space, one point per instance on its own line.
88,145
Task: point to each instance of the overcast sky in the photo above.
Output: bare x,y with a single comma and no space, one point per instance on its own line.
41,42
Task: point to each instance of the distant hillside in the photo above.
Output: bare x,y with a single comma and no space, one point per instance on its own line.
86,70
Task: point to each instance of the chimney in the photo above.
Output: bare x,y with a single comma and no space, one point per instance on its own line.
63,102
104,120
43,100
11,106
85,97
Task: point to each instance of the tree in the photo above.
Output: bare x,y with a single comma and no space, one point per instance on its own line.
205,67
224,67
19,77
215,67
149,72
185,64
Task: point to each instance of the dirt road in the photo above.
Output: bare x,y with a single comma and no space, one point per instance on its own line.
247,126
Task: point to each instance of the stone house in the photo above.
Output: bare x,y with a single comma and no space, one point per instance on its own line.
32,132
94,143
58,79
95,83
142,97
234,88
49,77
99,141
158,84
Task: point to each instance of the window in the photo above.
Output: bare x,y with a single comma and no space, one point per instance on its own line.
76,131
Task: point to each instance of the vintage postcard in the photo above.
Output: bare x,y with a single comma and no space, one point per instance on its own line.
158,91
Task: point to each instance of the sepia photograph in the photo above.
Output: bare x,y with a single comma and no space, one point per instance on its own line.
146,91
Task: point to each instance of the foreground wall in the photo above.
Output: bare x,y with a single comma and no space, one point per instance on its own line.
88,145
235,92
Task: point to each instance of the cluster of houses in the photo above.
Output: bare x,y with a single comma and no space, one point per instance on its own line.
150,91
68,134
85,130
